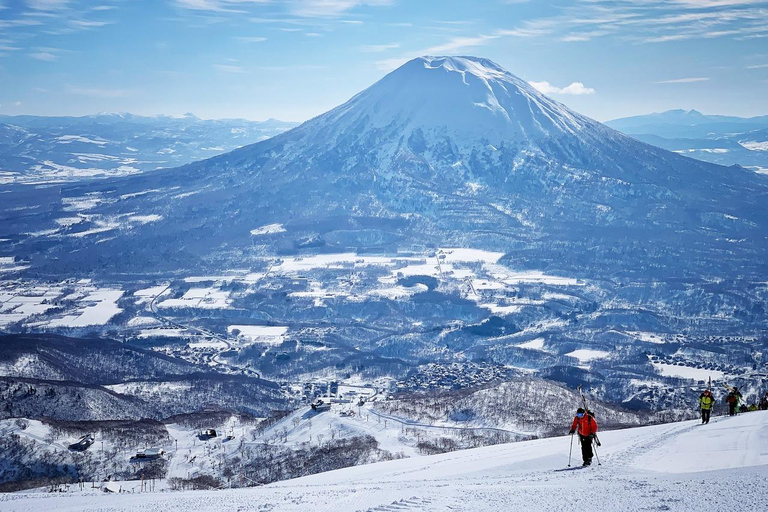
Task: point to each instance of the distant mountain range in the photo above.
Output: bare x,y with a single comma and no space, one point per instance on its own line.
444,150
724,140
37,149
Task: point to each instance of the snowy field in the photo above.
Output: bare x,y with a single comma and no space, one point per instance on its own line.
475,274
680,466
686,372
87,305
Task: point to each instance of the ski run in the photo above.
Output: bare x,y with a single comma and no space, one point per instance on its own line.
682,466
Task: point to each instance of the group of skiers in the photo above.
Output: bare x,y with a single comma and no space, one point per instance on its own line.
734,399
585,425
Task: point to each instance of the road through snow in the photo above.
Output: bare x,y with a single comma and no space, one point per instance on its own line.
680,466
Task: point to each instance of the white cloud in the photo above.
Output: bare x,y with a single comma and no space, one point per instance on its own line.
229,68
303,8
378,48
85,24
574,89
217,5
331,8
19,23
44,56
457,43
649,21
684,80
48,5
251,39
758,66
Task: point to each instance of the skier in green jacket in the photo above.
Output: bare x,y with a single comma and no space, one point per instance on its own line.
706,402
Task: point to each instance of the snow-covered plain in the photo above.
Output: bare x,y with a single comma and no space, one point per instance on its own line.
585,355
259,333
686,372
679,466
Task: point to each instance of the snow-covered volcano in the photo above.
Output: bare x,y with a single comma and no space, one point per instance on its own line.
443,151
464,99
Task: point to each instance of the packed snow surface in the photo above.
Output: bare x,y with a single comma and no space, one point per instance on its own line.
584,354
268,230
679,466
534,344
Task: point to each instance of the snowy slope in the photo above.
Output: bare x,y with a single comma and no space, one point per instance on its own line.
466,99
681,466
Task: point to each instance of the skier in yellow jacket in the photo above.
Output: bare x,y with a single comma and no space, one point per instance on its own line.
706,402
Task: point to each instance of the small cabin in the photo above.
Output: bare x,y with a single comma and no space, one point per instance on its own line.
320,406
207,434
83,443
149,454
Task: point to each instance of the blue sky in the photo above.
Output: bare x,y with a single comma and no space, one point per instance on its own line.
294,59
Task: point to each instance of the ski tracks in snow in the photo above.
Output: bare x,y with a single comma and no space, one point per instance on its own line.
413,503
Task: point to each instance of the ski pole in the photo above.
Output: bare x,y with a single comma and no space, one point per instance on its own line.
594,447
570,452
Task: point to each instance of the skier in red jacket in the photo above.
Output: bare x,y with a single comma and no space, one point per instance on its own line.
586,425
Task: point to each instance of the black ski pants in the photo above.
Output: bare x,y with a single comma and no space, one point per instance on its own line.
705,415
586,448
732,409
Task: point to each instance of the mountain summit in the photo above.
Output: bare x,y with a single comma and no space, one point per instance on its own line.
466,98
451,151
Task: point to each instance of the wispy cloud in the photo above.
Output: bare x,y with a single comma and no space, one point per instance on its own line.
19,23
331,8
758,66
302,8
85,24
378,48
684,80
646,21
458,43
218,5
229,68
248,39
44,56
48,5
574,89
